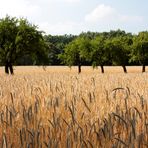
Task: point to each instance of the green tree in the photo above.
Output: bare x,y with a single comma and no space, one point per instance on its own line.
19,38
140,49
98,53
74,53
118,48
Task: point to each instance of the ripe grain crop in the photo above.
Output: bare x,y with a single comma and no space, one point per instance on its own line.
57,107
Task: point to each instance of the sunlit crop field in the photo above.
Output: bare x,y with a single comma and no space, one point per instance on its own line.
56,107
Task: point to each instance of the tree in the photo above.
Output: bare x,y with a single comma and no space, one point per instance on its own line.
18,38
74,53
140,49
118,48
98,53
56,46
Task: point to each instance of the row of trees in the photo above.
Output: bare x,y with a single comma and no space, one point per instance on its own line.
21,43
114,48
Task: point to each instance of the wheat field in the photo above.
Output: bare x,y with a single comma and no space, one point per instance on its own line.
55,107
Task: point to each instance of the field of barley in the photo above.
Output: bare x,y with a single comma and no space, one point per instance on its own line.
55,107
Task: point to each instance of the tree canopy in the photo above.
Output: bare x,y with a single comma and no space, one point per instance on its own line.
19,38
73,53
139,50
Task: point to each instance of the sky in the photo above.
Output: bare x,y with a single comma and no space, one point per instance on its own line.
58,17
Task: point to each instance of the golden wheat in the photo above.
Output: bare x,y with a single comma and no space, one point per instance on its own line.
56,107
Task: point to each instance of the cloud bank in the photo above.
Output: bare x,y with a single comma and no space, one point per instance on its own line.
61,17
107,13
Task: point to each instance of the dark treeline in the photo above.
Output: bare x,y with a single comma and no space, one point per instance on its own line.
55,46
22,44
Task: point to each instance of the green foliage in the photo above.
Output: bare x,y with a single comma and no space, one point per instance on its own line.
98,52
8,32
56,45
21,43
19,38
118,50
75,52
139,50
98,49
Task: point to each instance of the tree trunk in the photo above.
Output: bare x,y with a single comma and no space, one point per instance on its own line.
143,68
6,69
102,69
79,68
124,69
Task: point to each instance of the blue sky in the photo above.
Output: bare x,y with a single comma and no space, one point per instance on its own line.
74,16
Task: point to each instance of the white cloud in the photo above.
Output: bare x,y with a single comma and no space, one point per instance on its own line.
109,14
101,12
69,16
19,8
67,27
106,16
